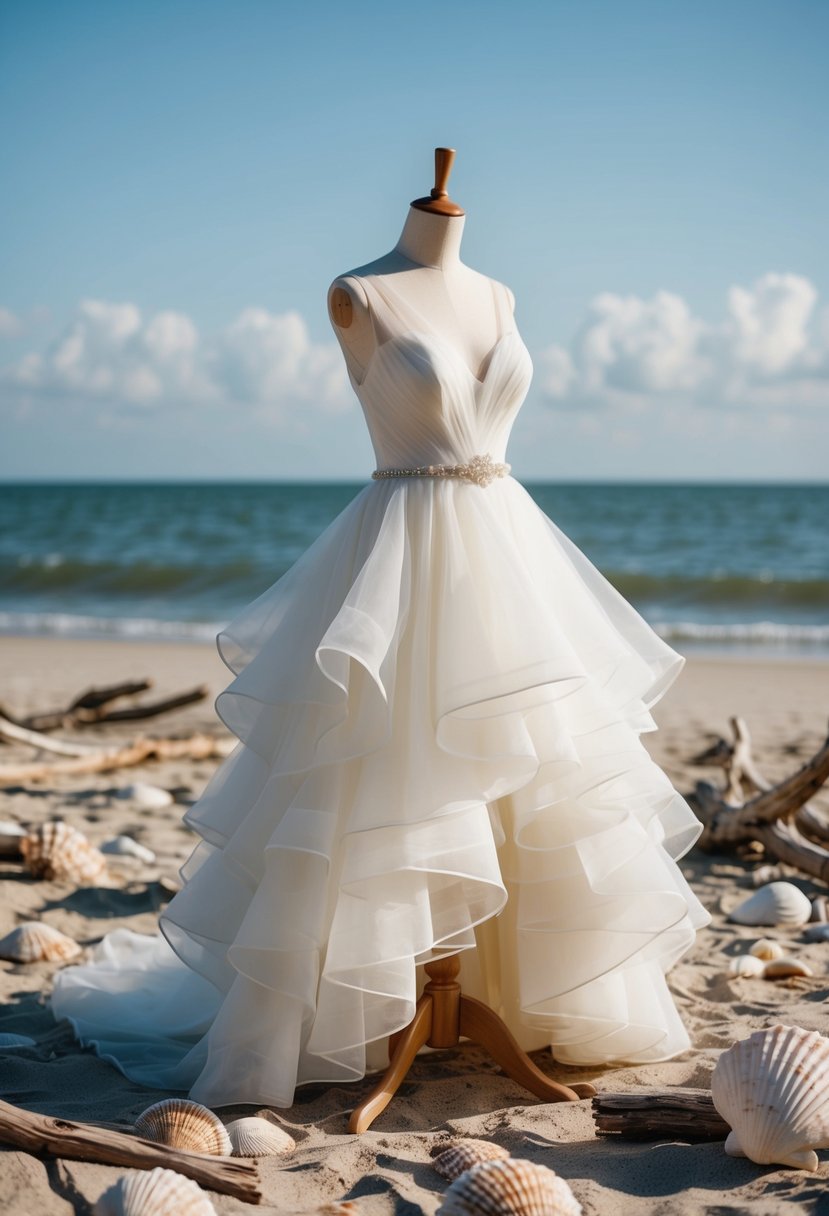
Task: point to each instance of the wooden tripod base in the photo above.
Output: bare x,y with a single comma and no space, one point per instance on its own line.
442,1016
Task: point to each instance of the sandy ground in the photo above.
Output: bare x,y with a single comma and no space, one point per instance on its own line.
786,704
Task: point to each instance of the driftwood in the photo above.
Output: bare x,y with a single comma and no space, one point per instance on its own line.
85,1142
91,708
195,747
776,816
659,1114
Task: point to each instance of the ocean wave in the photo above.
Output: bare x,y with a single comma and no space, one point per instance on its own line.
64,624
747,631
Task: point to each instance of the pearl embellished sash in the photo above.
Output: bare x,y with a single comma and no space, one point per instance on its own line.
480,470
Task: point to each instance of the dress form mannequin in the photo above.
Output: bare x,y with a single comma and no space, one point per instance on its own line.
428,270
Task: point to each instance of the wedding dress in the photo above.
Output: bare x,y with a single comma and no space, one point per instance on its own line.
438,711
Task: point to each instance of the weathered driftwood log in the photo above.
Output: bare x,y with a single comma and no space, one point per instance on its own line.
12,733
91,708
659,1114
85,1142
196,747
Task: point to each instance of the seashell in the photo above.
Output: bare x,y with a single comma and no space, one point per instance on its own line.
125,846
509,1187
461,1155
11,835
778,903
817,933
820,909
56,850
780,968
257,1137
766,949
145,794
9,1041
180,1123
746,965
773,1090
34,942
764,874
157,1192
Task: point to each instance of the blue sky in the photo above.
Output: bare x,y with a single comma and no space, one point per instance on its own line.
183,180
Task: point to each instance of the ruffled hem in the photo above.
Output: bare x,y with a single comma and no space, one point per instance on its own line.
438,711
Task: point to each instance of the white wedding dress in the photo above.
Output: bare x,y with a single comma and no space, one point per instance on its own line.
438,710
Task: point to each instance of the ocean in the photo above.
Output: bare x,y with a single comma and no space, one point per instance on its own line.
711,567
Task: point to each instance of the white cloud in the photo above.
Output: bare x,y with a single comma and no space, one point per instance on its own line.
10,325
110,352
771,348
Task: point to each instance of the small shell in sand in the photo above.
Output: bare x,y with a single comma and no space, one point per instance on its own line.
820,910
157,1192
773,1090
125,846
180,1123
56,850
766,949
461,1155
746,965
34,942
509,1187
144,794
778,903
781,968
256,1137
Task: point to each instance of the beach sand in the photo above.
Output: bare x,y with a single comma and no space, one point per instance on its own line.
786,705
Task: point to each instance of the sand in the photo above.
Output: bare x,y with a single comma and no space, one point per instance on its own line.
786,704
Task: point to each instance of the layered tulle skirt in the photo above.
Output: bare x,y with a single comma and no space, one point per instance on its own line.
439,710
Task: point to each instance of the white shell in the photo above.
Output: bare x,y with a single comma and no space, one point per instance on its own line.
746,965
9,1041
125,846
817,933
145,794
461,1155
766,949
780,968
34,942
778,903
773,1090
509,1187
256,1137
180,1123
56,850
157,1192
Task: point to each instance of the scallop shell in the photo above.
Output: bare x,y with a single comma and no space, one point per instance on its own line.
778,903
780,968
180,1123
157,1192
257,1137
766,949
125,846
461,1155
747,965
34,942
773,1090
509,1187
56,850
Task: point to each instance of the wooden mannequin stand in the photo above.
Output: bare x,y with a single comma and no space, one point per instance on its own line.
442,1016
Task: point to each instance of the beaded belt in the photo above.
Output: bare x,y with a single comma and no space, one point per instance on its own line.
480,470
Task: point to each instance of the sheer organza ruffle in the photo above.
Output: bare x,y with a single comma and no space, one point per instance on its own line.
439,711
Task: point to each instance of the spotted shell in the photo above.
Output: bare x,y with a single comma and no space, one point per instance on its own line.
34,942
56,850
773,1090
780,968
766,949
461,1155
257,1137
778,903
180,1123
509,1187
746,965
157,1192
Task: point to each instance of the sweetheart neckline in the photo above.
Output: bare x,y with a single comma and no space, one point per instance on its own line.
489,357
